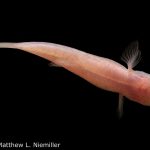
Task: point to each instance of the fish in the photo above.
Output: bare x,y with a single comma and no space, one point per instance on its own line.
102,72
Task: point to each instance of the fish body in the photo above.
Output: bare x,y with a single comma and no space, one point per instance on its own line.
101,72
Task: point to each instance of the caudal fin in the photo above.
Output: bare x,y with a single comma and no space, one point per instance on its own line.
7,45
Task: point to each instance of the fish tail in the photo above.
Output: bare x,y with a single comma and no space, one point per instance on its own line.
7,45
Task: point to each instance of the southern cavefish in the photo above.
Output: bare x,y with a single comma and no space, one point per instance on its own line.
101,72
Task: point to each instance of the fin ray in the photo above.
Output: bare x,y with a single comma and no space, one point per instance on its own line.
132,55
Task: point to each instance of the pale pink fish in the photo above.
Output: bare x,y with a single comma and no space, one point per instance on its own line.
101,72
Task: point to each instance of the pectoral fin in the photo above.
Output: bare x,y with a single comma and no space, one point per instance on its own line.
51,64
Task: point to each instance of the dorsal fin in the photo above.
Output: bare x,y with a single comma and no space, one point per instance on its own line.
132,55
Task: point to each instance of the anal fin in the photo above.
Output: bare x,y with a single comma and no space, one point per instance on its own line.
120,106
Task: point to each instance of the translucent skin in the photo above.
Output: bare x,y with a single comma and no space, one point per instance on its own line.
139,91
101,72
